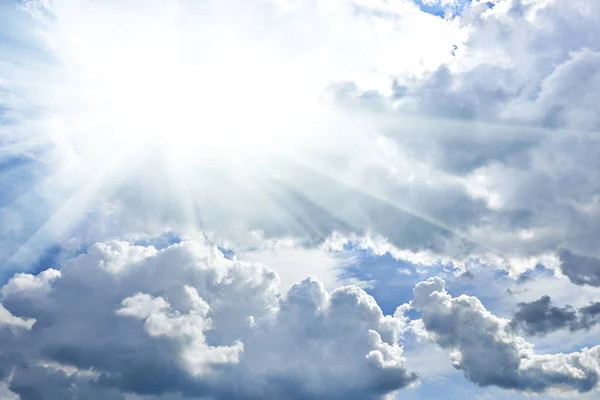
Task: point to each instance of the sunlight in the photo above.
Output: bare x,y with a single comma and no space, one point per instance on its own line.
187,111
164,86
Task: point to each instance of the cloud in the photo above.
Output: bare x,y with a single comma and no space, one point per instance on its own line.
486,350
507,129
465,141
141,124
486,150
294,261
540,317
581,270
9,320
132,319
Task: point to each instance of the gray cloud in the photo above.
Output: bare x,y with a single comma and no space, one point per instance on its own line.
581,270
513,115
484,347
130,319
540,317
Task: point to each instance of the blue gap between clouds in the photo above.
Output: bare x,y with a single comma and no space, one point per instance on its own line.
57,254
440,10
394,280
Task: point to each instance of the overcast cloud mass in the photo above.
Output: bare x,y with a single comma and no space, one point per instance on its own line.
299,199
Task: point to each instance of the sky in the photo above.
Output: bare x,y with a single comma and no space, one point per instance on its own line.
299,199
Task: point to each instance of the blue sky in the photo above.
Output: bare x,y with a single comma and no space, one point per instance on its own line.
440,9
299,199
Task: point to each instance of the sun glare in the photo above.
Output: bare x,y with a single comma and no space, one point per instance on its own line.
188,93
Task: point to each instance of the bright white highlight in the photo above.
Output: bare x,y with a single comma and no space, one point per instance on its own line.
190,88
216,115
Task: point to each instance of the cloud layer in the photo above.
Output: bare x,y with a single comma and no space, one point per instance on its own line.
479,141
122,319
130,319
290,132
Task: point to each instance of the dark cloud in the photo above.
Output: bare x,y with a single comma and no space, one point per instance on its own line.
540,317
581,270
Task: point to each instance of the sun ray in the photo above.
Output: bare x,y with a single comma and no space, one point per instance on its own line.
328,173
70,212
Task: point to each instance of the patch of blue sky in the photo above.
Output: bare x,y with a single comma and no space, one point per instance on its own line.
22,209
54,257
451,386
20,47
539,270
4,118
18,176
444,9
456,387
54,254
17,252
159,242
228,253
391,281
432,8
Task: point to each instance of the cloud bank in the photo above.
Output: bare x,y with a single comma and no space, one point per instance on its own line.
130,319
476,140
122,319
459,143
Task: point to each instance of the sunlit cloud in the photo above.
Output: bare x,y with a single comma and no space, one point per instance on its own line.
299,199
183,112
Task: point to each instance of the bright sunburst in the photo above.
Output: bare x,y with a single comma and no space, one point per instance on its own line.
299,199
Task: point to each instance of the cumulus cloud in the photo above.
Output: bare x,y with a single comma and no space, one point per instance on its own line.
470,138
9,320
484,347
512,119
581,270
132,319
540,317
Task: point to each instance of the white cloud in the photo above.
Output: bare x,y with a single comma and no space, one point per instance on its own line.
293,263
9,320
187,320
487,351
6,394
506,131
470,141
487,151
160,320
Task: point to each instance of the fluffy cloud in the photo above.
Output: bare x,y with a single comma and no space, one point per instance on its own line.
487,351
9,320
581,270
507,131
541,316
130,319
457,139
124,320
